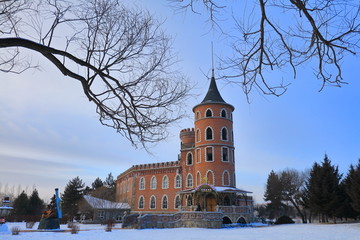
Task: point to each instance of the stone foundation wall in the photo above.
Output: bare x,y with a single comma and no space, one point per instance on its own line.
181,219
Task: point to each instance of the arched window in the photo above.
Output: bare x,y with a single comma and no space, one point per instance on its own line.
209,113
165,182
223,113
198,178
210,177
224,154
177,201
197,117
142,183
152,202
178,181
226,178
209,133
224,134
141,202
198,155
198,135
227,201
164,202
189,180
188,200
189,159
153,183
209,154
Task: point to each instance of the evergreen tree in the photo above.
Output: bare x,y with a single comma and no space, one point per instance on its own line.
273,194
97,183
21,205
353,186
36,205
71,197
109,181
323,189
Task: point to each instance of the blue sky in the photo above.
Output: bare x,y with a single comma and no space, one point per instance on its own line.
50,133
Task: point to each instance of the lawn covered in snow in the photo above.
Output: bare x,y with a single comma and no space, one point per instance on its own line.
280,232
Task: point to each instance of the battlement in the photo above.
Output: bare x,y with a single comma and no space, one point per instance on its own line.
150,166
187,132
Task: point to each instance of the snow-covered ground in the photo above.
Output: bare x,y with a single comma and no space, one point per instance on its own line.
282,232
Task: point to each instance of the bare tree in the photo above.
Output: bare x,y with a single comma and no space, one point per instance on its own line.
282,35
119,55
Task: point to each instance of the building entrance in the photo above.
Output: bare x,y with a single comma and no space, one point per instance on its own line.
210,203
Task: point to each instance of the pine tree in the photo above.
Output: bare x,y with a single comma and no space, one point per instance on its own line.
353,186
36,205
21,205
71,197
97,183
273,194
323,189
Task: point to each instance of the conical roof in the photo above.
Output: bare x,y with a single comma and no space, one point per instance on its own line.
213,95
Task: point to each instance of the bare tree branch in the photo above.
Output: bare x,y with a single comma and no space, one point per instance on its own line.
120,56
286,35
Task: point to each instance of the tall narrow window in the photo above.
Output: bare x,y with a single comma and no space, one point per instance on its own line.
197,117
153,183
198,155
210,177
198,178
208,113
223,113
165,182
177,201
209,133
209,154
198,135
189,159
178,181
152,202
224,134
225,154
141,202
164,202
189,200
142,183
189,180
226,178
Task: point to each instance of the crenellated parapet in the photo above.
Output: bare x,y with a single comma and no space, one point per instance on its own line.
150,166
187,137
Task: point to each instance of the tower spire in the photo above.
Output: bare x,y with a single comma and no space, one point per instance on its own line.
212,60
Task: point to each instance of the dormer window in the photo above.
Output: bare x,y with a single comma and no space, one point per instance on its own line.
209,113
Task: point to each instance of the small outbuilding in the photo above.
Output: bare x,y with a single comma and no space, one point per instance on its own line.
97,210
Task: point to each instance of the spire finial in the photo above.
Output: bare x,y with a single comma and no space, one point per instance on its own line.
212,59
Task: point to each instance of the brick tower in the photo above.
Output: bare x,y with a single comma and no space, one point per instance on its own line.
214,143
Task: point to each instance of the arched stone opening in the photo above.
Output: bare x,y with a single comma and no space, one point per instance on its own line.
241,220
227,220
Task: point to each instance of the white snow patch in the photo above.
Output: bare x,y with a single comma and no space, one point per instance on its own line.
280,232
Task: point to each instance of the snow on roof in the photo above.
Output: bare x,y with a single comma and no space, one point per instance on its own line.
105,204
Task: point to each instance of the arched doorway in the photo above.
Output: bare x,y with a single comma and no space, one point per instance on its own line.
210,203
227,220
241,220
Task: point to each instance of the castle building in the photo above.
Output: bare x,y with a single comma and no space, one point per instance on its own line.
202,179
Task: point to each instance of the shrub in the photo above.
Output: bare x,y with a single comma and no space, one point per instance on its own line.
30,225
74,228
15,230
284,220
